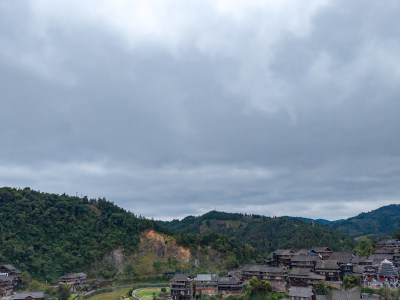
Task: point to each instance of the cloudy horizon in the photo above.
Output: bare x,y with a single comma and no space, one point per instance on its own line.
175,108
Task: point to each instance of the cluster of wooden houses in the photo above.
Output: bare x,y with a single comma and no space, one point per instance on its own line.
184,287
298,269
9,278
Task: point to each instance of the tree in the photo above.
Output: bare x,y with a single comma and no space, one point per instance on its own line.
259,287
63,291
157,266
350,281
320,288
232,262
396,235
364,248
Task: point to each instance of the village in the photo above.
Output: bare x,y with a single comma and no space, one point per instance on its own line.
291,271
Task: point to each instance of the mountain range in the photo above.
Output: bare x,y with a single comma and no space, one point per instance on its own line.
49,235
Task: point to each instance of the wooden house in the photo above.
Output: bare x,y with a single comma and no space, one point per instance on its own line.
76,280
206,284
389,244
26,296
12,272
263,272
303,277
301,293
230,285
323,252
328,268
181,287
304,261
6,285
282,257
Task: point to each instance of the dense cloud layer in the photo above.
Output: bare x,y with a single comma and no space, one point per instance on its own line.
171,108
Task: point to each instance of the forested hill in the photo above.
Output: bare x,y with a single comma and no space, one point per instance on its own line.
382,221
308,220
265,234
49,235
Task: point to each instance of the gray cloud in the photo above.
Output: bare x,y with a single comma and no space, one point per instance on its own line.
173,109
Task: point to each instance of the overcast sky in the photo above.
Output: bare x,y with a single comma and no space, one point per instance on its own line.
177,107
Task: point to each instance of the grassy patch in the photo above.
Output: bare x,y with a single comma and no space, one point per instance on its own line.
147,294
110,295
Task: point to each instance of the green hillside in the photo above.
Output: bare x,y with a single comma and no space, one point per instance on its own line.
265,234
380,222
49,235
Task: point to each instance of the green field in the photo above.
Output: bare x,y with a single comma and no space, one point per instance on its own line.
147,294
114,295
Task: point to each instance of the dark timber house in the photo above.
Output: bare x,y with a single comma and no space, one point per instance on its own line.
6,285
206,284
77,280
13,274
303,277
323,252
328,268
304,261
301,293
181,287
230,285
26,296
282,257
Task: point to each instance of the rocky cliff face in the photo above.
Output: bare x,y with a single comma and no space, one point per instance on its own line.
163,246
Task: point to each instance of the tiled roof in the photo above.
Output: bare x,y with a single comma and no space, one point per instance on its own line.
262,268
303,257
23,296
303,292
228,280
206,277
321,249
4,278
329,264
345,295
342,257
302,251
181,277
299,272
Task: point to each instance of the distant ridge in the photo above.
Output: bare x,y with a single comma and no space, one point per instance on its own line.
308,220
265,234
380,222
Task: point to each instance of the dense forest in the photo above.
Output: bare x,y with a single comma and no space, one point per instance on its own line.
49,235
265,234
380,222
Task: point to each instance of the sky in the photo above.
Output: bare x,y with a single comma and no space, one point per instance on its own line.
171,108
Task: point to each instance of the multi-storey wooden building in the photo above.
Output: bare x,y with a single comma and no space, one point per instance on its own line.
206,284
76,280
323,252
328,268
282,257
6,285
301,293
26,296
304,261
230,285
303,277
389,244
181,287
12,272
